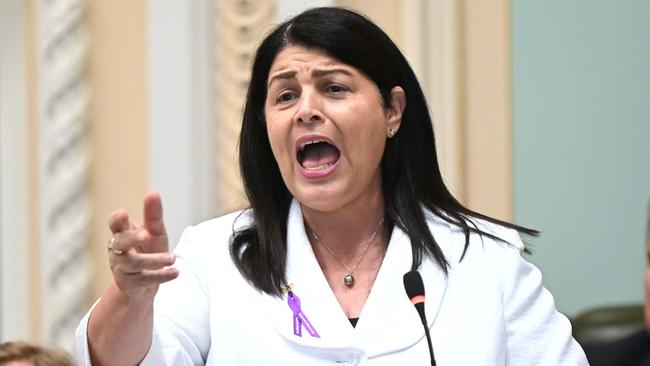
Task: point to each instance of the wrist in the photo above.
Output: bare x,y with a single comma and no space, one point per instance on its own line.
135,300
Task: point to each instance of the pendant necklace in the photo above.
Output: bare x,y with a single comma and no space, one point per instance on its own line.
349,278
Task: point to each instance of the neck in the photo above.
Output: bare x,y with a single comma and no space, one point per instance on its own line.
346,231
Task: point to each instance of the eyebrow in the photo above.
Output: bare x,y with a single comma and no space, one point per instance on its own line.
323,72
283,75
316,73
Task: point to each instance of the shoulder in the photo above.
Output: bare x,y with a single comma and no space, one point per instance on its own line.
504,237
220,228
494,273
225,225
210,240
492,238
491,258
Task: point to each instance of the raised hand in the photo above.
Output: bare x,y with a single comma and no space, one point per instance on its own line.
139,255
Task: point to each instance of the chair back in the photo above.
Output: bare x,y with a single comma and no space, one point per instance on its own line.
607,324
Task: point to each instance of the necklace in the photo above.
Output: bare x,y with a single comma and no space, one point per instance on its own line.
349,278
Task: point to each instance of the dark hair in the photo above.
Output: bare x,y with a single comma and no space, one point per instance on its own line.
411,177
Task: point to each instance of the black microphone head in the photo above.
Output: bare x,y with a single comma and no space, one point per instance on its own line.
413,284
415,290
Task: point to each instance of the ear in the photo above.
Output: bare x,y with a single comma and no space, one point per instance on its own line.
395,111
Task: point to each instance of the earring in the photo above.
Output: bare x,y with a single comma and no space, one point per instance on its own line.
391,132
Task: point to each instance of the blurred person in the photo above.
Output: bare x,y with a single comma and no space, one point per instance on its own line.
25,354
633,350
338,159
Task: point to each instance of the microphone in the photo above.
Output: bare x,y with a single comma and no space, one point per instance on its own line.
415,291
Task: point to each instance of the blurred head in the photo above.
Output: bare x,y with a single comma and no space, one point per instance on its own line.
647,273
25,354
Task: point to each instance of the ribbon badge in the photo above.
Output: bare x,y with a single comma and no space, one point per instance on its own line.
299,318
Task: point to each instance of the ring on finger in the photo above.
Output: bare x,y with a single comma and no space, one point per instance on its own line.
111,247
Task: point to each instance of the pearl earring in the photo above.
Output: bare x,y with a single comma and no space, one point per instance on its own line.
391,132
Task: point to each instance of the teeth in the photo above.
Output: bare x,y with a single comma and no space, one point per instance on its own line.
320,167
302,146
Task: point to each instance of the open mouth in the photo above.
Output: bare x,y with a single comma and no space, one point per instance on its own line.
315,155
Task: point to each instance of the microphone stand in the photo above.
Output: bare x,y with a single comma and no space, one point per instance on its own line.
415,290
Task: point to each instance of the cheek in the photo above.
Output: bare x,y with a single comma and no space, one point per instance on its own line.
373,136
279,140
374,142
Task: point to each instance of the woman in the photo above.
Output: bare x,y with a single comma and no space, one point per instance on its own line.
338,159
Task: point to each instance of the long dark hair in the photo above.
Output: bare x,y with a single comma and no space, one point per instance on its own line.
411,177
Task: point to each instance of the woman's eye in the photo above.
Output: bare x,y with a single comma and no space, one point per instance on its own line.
335,88
286,97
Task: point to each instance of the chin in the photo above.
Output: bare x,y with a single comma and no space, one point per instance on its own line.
320,204
320,200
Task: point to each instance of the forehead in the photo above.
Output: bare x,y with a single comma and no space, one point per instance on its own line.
301,59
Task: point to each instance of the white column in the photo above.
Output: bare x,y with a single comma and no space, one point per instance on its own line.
15,321
181,116
63,163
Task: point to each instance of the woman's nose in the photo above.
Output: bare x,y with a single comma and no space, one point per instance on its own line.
309,108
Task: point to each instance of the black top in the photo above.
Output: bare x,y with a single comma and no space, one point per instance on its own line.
631,351
353,321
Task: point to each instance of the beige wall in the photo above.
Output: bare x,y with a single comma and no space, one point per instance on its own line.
387,14
118,114
487,106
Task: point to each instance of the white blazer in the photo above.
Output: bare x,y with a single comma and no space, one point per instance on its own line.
491,308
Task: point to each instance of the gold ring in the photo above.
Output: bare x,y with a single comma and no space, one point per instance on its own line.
116,251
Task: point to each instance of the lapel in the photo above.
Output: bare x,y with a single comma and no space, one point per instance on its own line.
308,282
388,321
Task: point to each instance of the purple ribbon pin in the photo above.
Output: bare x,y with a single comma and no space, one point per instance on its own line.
299,318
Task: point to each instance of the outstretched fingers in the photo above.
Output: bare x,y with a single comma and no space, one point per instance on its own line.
139,255
153,214
119,221
122,241
154,225
154,277
135,262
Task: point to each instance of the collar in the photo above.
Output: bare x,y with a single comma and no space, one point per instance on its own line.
388,321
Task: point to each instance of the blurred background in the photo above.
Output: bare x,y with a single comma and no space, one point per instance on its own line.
540,109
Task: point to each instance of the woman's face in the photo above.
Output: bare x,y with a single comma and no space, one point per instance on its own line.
327,128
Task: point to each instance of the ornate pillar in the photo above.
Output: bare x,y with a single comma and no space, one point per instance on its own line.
63,162
239,27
